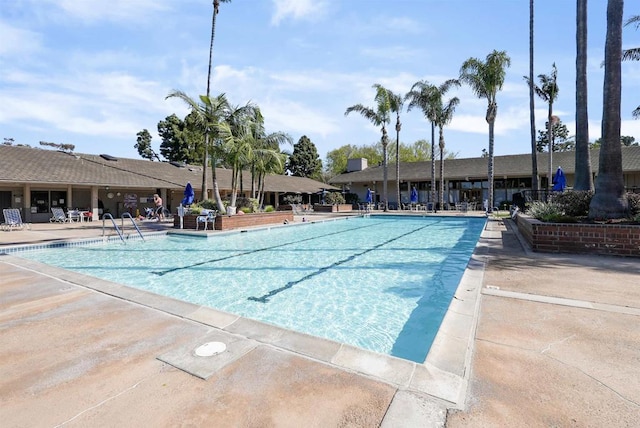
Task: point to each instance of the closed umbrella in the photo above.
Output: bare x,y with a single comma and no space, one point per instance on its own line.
559,180
414,195
369,198
189,195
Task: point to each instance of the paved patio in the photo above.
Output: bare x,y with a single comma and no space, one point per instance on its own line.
557,343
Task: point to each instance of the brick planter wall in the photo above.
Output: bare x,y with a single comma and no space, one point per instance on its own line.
332,208
609,239
226,222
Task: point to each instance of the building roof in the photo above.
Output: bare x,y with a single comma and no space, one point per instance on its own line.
35,166
476,168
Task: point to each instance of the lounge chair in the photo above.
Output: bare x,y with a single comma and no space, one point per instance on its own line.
58,215
13,220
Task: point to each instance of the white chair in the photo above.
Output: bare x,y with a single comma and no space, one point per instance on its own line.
206,217
58,215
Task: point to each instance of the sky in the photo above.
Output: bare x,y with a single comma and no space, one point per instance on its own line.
93,73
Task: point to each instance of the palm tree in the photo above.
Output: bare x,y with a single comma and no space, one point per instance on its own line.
397,102
548,92
443,118
583,179
207,115
216,5
609,200
485,79
425,96
379,117
633,54
532,106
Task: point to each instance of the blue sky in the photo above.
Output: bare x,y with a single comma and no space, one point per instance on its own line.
94,72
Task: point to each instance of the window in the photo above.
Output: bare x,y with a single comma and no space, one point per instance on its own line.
40,201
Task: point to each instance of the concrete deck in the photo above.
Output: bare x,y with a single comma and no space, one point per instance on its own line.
556,343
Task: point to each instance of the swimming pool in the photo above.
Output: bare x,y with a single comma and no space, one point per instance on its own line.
381,283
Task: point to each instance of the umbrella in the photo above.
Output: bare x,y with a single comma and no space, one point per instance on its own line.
188,195
369,196
559,181
414,195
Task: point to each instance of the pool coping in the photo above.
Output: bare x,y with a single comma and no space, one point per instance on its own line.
444,375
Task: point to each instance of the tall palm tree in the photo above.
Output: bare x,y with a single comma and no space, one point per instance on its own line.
633,54
548,92
609,199
379,117
397,103
443,118
207,113
532,106
583,179
485,79
216,5
425,96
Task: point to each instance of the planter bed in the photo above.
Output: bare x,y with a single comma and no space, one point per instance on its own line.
225,222
580,238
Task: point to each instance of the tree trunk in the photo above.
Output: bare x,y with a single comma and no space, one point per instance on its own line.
609,200
583,178
385,167
550,143
490,166
433,166
441,144
535,185
398,126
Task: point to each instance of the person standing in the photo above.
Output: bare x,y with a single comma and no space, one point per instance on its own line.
157,200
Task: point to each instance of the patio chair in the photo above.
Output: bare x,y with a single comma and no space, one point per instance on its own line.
13,220
74,215
206,217
58,215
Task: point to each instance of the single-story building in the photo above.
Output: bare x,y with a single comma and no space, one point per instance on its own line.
466,180
35,180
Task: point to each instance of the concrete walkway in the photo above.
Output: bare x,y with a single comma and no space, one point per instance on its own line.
557,344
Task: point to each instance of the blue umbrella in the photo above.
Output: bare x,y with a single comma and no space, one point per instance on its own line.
559,181
414,195
369,196
189,195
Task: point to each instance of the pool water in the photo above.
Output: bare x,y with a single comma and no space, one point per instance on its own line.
382,283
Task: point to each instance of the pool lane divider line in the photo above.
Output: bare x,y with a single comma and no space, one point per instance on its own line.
244,253
265,297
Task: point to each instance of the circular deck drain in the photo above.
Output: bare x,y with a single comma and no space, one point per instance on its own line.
210,348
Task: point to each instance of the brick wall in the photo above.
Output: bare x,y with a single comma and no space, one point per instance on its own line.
610,239
226,222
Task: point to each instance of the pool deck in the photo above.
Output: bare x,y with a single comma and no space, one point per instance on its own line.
555,341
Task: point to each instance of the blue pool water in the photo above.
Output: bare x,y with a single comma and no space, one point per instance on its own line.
381,283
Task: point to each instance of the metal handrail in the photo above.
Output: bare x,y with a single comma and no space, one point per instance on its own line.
128,215
110,217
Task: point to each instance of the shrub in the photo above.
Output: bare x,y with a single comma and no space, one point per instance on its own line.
574,203
269,209
208,204
546,211
248,205
634,204
334,198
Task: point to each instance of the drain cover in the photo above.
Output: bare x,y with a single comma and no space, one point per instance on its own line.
210,348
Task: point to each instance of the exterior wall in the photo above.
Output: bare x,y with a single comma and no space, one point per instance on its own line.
607,239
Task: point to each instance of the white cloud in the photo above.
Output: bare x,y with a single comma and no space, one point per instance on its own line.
297,9
18,41
115,10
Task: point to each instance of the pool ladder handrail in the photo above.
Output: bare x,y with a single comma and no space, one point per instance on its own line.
128,215
115,226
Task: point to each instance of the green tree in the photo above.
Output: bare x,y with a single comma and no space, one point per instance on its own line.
208,113
485,79
444,114
143,145
173,147
625,140
609,199
397,103
583,178
379,116
305,161
560,136
633,54
548,92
